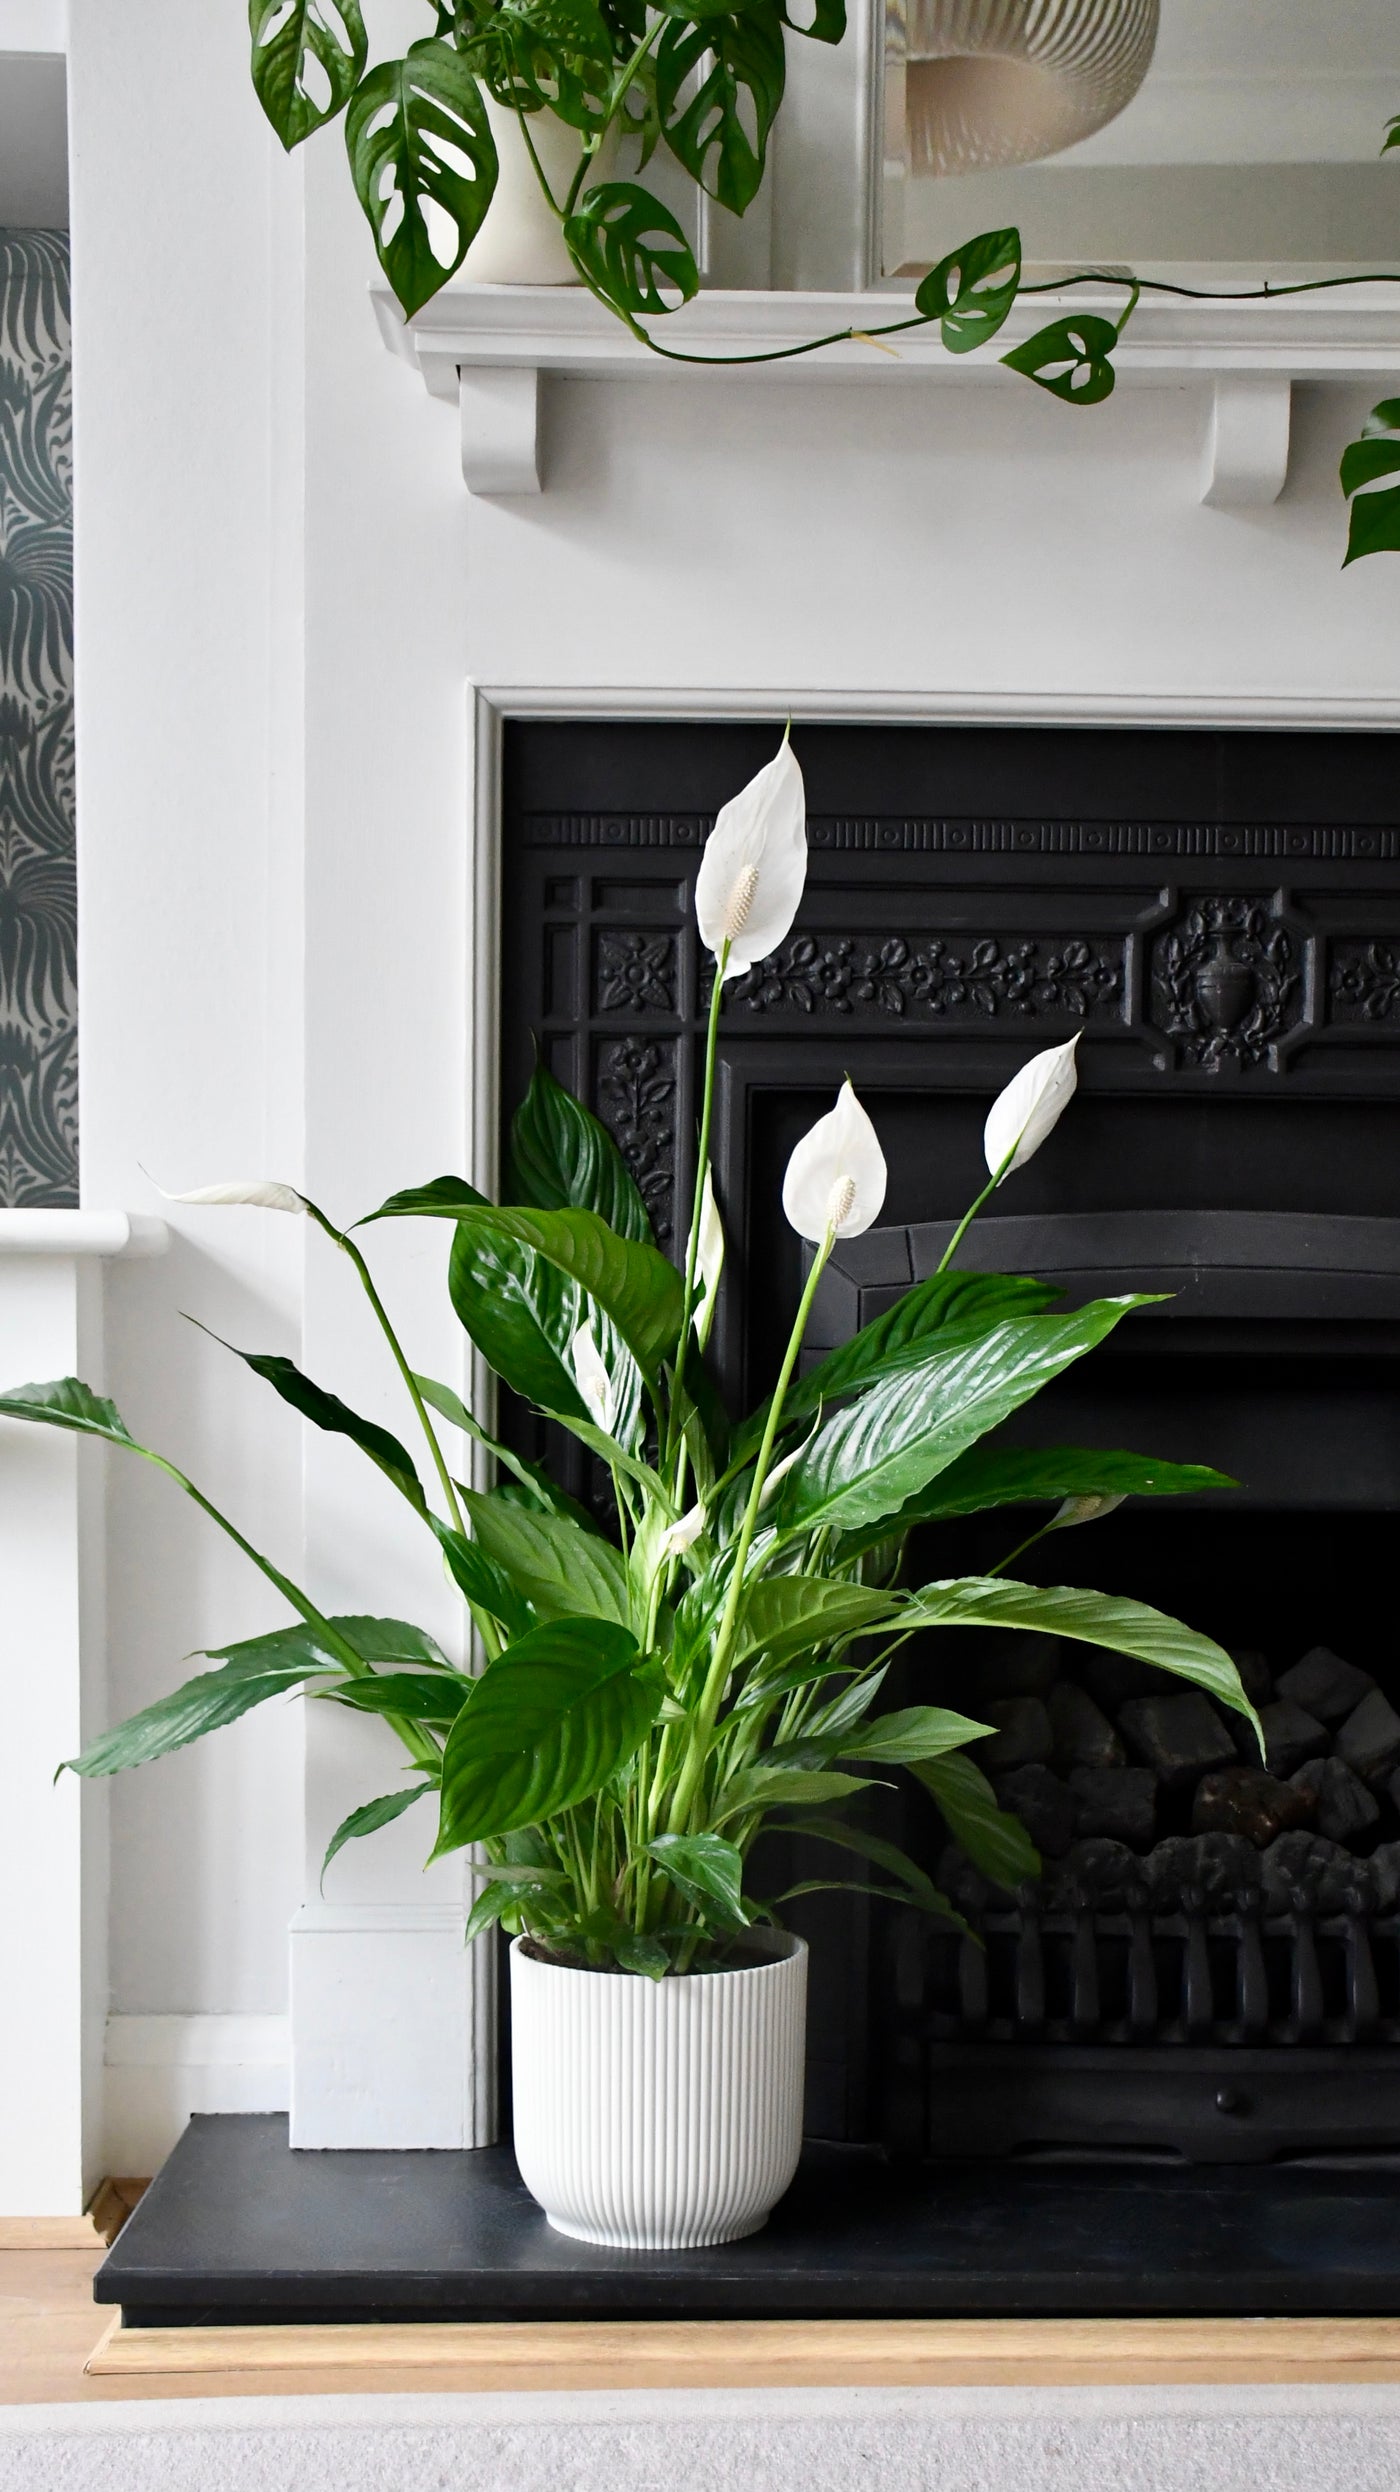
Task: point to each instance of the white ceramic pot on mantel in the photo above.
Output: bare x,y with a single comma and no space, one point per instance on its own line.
520,243
659,2115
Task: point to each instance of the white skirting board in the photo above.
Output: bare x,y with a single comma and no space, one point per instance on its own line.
763,2440
161,2070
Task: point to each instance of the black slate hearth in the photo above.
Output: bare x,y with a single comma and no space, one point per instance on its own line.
238,2229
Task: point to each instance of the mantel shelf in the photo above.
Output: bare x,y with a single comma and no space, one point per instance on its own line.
485,347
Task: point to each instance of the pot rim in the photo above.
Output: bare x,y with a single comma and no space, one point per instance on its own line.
788,1948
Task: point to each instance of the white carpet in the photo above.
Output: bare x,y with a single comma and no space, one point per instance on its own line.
702,2440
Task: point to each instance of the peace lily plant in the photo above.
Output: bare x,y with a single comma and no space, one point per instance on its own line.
650,1691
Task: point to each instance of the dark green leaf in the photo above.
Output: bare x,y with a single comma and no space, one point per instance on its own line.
784,1615
916,1885
325,1410
937,1309
416,132
204,1704
543,1728
1090,1618
563,1159
641,1955
869,1458
561,1571
533,1479
371,1817
972,290
401,1692
719,84
521,1314
1375,516
68,1403
994,1842
480,1582
1392,134
908,1738
996,1475
769,1786
384,1642
1072,358
496,1900
627,246
288,36
709,1872
826,22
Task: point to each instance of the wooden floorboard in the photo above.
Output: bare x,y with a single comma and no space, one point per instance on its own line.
50,2328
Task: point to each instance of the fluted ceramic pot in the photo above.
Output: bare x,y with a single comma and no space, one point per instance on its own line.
659,2115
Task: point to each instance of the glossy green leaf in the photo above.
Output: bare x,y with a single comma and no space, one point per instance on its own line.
719,83
1392,134
417,135
997,1475
641,1955
627,246
503,1896
936,1309
907,1738
825,22
531,1478
1072,358
1375,515
482,1583
780,1786
69,1403
402,1692
205,1704
971,291
561,1571
325,1410
289,36
1090,1618
870,1457
563,1159
916,1886
784,1615
543,1728
709,1872
995,1842
371,1817
385,1642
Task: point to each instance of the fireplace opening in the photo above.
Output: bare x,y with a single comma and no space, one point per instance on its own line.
1209,1965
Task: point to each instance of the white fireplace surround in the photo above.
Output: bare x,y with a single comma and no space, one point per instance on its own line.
288,821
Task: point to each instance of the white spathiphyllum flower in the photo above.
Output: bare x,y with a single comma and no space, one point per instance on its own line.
592,1378
836,1177
1085,1509
1029,1108
781,1469
709,1258
684,1534
754,866
264,1193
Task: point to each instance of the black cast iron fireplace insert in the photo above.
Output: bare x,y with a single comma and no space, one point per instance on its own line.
1210,1964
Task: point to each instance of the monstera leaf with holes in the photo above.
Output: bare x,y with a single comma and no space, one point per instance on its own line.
724,1638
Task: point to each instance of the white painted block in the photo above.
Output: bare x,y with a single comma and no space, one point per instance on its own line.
392,2028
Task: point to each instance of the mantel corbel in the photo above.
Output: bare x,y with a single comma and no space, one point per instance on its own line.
484,349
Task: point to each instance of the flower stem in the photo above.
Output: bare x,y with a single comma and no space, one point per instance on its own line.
973,1209
697,1205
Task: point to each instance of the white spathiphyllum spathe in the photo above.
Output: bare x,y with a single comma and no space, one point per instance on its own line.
709,1258
755,865
592,1378
684,1534
263,1193
836,1177
1088,1508
1029,1108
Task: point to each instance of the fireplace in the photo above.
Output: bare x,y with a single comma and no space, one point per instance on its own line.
1220,913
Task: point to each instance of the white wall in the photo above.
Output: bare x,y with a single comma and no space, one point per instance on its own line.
273,878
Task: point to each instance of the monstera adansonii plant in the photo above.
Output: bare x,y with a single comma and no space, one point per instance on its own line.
636,1698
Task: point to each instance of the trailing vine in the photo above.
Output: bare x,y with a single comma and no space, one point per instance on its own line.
704,79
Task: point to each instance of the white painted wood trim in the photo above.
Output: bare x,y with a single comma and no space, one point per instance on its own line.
82,1233
950,705
500,418
160,2072
1247,433
34,27
419,2074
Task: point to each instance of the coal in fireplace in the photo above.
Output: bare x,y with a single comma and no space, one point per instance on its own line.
1209,1964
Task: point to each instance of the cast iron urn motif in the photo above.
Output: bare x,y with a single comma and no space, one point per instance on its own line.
1225,983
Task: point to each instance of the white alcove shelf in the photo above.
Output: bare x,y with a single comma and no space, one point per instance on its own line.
486,347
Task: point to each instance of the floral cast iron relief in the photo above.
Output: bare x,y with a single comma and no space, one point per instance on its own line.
1226,983
1365,982
978,979
636,1099
635,972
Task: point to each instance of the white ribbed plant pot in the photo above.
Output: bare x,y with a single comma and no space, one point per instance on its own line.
520,243
658,2115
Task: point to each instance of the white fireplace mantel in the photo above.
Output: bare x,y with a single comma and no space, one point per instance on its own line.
486,347
52,1962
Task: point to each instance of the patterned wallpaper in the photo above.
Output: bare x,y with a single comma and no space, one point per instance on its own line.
38,885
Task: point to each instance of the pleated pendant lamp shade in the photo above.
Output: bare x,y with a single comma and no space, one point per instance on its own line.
997,82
